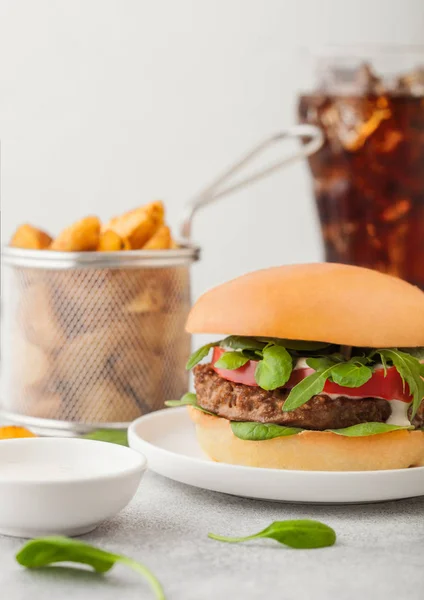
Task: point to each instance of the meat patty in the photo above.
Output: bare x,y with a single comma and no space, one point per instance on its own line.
238,402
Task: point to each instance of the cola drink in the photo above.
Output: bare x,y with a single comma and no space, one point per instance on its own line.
369,175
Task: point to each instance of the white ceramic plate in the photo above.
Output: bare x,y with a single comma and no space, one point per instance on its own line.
64,486
167,438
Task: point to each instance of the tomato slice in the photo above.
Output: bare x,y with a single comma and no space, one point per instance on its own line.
389,386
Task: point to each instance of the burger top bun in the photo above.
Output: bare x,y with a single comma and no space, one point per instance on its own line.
326,302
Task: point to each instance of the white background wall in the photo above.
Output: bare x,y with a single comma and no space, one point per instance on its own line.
105,104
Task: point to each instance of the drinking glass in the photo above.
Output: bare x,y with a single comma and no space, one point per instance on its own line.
369,174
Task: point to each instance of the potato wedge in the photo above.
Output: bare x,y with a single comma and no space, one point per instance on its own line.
84,358
30,238
151,299
42,403
160,240
103,401
31,366
82,236
126,244
138,225
13,431
39,321
110,241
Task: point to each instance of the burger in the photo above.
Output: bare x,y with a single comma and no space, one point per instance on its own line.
317,367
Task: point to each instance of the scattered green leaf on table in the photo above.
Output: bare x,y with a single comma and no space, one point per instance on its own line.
43,552
301,534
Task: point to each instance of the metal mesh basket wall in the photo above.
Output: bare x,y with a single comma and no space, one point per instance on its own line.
93,345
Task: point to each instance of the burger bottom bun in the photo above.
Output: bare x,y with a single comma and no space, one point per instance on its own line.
310,450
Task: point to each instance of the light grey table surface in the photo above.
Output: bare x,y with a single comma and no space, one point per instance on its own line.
379,553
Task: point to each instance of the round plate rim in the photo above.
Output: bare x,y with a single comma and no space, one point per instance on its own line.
132,431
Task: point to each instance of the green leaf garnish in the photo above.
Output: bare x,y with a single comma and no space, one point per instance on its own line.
200,354
189,399
255,432
364,429
300,345
301,534
415,352
115,436
410,369
302,392
231,360
351,374
321,363
274,370
238,342
43,552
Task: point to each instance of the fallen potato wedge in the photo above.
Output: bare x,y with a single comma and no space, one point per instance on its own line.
12,431
161,240
82,236
138,225
30,238
110,241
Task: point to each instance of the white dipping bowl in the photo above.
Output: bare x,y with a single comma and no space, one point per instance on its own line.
64,486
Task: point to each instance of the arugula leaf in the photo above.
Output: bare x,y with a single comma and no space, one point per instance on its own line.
300,345
189,399
302,392
43,552
351,374
410,369
416,352
364,429
231,360
298,533
115,436
320,363
238,342
252,431
274,370
384,363
199,355
253,354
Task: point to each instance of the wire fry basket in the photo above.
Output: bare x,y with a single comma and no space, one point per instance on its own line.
92,340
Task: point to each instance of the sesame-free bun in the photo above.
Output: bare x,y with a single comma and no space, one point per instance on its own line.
310,450
325,302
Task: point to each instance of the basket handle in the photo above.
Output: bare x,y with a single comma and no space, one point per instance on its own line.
215,191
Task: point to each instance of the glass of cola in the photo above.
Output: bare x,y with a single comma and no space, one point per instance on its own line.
369,174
